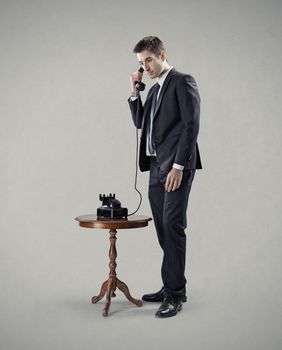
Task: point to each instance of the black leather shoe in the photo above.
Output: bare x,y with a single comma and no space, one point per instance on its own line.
169,307
154,297
159,297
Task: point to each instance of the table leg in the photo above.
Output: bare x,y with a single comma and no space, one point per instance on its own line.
123,287
103,290
108,298
109,286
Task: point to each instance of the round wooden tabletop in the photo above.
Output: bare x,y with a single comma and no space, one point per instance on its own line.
134,221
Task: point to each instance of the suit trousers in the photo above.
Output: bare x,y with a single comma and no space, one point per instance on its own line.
169,213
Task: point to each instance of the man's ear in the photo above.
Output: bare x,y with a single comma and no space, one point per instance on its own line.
163,55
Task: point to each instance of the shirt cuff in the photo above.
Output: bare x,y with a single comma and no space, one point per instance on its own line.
178,166
133,98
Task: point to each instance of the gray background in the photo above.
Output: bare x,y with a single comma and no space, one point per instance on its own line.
66,136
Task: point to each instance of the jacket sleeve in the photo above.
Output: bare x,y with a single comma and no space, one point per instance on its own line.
136,108
189,104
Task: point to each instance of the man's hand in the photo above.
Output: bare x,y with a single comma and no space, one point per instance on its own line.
173,180
136,76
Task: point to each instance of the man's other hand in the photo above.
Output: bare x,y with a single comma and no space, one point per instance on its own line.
173,180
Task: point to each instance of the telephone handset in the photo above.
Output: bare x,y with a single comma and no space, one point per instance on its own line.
140,86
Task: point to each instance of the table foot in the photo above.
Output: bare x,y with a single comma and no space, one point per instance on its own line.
110,291
123,287
108,288
103,290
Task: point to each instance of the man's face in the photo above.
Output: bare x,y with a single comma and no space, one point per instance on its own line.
152,64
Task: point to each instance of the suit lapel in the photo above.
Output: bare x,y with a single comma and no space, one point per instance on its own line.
163,89
147,106
149,99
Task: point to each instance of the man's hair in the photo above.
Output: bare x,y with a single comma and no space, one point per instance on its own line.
150,43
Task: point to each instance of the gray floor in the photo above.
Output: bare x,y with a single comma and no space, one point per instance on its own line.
233,301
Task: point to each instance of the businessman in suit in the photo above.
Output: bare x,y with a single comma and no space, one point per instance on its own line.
169,120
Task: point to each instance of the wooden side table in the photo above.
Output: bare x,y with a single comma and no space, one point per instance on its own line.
110,285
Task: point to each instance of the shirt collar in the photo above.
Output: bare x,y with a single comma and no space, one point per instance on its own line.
161,79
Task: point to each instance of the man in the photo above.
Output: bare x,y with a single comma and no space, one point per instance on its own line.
169,120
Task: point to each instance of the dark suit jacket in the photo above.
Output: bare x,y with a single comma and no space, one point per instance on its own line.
175,125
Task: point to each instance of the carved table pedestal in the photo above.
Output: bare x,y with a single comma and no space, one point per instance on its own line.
112,283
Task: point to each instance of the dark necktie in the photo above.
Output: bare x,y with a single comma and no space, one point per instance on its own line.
151,143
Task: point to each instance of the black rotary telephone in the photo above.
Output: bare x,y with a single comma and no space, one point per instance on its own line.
111,208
